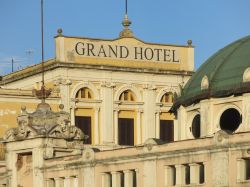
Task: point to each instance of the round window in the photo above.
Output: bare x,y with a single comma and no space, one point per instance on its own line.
196,129
230,120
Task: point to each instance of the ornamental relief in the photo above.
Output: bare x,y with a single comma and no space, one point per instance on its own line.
246,75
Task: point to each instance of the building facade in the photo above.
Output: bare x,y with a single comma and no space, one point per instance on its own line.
122,86
118,116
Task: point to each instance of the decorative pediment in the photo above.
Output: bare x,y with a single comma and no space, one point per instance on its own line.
44,123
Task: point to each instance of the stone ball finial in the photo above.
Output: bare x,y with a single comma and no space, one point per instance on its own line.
61,107
59,32
23,109
189,42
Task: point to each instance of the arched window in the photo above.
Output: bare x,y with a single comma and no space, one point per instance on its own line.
230,120
196,126
127,96
84,93
167,98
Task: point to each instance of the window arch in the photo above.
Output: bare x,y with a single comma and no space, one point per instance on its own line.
84,93
167,98
127,95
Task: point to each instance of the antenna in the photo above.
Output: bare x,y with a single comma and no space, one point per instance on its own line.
42,43
30,53
12,60
126,7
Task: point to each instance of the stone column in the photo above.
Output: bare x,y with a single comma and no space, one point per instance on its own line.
96,126
116,179
64,92
220,168
157,124
72,115
106,180
169,176
37,163
195,170
241,170
75,182
149,173
88,176
116,112
67,182
149,111
11,166
180,175
107,113
128,178
181,127
138,183
138,127
50,183
59,182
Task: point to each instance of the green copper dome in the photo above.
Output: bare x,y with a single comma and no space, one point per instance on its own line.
221,75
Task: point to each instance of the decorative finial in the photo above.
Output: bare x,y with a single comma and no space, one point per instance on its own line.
59,32
23,109
126,33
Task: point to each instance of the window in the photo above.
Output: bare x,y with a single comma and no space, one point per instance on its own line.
230,120
126,131
196,126
187,174
84,93
127,96
167,130
202,174
167,98
84,123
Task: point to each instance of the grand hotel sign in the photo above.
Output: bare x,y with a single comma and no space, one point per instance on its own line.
128,52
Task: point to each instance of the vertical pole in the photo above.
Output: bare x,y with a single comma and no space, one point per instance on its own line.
126,7
12,64
42,88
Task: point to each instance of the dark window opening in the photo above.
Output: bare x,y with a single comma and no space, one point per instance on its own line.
202,173
122,179
167,130
196,126
84,123
230,120
126,131
247,161
134,179
187,177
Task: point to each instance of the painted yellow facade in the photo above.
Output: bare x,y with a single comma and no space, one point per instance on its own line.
110,70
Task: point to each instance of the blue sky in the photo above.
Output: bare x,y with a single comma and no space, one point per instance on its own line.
211,24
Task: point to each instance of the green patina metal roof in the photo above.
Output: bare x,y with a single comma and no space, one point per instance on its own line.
224,71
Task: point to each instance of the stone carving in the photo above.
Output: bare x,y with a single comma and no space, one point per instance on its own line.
246,75
150,143
204,83
221,137
48,153
44,123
